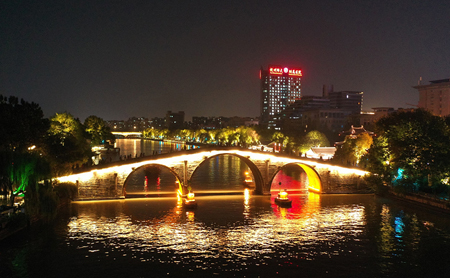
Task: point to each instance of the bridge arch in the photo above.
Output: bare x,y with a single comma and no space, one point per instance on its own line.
172,171
314,181
258,178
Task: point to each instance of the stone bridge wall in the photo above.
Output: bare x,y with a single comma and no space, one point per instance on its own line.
108,182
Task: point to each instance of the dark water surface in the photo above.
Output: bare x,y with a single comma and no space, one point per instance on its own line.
235,236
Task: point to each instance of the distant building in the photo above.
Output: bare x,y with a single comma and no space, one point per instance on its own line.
221,122
346,100
158,123
332,110
175,120
280,87
132,124
208,122
435,97
368,119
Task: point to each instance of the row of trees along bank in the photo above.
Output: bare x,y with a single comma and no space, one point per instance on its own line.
241,136
34,150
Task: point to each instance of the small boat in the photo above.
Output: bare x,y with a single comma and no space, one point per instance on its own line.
282,199
189,202
248,182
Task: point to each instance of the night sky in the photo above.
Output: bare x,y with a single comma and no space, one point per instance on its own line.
118,59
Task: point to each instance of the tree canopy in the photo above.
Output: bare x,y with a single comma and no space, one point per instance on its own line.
412,148
22,129
22,124
313,138
353,149
67,144
98,131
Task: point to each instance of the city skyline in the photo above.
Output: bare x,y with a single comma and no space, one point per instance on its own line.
119,60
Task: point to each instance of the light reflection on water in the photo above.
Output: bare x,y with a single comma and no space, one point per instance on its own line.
268,233
240,235
134,147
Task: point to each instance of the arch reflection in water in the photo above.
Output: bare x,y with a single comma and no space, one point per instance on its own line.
151,180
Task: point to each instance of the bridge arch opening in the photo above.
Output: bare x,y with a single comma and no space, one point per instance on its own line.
225,173
152,180
297,178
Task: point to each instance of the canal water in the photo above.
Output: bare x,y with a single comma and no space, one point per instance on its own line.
235,236
136,147
238,235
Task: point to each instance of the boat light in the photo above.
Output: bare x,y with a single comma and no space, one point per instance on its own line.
283,195
190,196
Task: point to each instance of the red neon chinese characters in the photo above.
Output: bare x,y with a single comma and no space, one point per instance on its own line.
280,71
276,71
295,72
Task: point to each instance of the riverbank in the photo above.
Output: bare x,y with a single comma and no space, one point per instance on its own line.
423,200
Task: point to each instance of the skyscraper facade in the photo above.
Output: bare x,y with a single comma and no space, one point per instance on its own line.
280,87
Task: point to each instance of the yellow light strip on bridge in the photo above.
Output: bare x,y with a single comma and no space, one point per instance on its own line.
200,156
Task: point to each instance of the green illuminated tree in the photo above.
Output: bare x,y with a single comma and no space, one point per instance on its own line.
98,130
223,136
247,136
22,130
67,144
278,137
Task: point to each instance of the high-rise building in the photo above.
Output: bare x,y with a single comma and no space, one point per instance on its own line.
280,87
174,120
435,97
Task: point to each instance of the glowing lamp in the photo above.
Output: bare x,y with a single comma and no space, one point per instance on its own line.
190,202
190,196
283,195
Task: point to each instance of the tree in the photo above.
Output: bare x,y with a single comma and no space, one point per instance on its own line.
362,145
247,136
67,144
22,124
412,146
22,129
353,149
278,137
98,131
312,139
223,136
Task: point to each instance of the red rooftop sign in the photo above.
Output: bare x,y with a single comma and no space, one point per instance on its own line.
285,70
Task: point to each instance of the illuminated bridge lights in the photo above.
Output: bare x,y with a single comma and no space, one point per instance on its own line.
257,162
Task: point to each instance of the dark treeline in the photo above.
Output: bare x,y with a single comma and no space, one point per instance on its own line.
34,150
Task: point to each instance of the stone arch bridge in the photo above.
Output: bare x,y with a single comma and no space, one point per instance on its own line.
108,180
